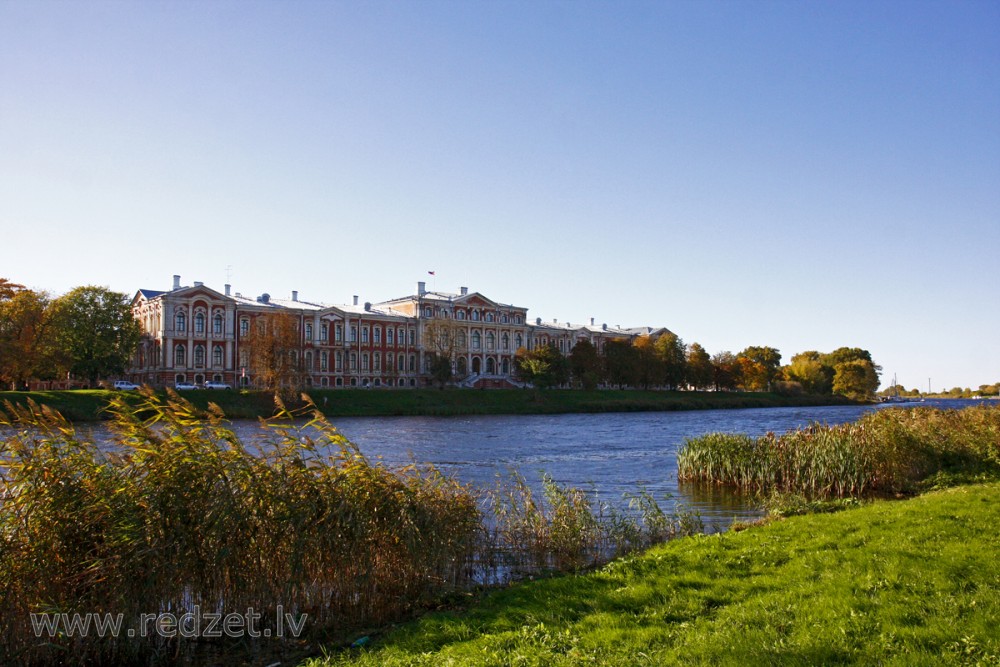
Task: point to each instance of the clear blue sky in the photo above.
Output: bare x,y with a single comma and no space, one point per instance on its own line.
805,175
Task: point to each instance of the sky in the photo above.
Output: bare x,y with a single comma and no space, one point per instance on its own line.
802,175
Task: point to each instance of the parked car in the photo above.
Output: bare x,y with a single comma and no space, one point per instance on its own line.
217,385
125,385
185,386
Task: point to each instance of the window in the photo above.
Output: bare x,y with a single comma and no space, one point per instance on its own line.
364,334
401,363
505,342
517,319
354,361
338,361
519,341
309,361
244,326
477,340
354,334
413,363
503,318
388,335
324,333
217,324
338,333
180,321
413,337
199,323
309,331
364,361
323,362
389,365
463,340
491,340
460,315
377,361
428,312
377,333
217,355
475,316
179,355
489,317
199,355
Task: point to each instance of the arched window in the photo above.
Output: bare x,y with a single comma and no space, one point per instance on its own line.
377,334
503,318
179,355
364,361
475,316
309,331
519,341
244,326
180,321
491,340
477,341
388,335
323,363
199,355
309,360
463,340
217,324
489,317
217,355
428,312
491,366
505,341
460,315
506,366
324,333
199,323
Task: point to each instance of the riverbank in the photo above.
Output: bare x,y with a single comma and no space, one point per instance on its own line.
89,405
889,582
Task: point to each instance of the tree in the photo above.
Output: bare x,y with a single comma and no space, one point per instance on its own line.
856,379
758,367
700,373
648,365
440,368
94,332
8,289
585,364
622,362
544,367
726,371
25,345
444,339
673,359
273,352
811,371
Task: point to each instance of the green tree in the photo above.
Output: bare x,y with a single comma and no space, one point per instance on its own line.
758,367
545,367
673,359
855,379
811,371
648,365
585,364
700,373
622,363
94,332
440,368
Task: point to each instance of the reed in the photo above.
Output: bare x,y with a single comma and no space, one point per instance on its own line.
182,514
888,451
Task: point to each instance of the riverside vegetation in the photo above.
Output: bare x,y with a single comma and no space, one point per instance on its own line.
181,514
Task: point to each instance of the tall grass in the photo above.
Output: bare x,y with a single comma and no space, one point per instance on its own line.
181,514
888,451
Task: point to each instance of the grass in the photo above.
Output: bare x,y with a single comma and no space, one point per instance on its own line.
886,452
89,405
889,583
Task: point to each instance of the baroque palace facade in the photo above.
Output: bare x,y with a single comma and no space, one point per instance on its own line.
194,334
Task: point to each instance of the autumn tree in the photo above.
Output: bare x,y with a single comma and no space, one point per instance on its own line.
445,340
272,349
26,349
812,371
8,289
856,379
758,367
648,365
700,373
93,332
585,364
725,371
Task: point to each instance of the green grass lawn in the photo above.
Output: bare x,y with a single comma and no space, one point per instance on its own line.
913,582
87,405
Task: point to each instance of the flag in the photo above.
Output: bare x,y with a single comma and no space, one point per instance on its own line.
430,273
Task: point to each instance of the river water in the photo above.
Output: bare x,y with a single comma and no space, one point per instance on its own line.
609,455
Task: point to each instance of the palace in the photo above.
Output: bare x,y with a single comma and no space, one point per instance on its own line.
194,334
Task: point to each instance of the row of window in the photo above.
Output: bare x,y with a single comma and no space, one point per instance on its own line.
473,315
180,355
180,323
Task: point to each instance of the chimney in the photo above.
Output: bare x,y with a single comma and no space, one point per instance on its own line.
355,299
591,321
177,281
295,295
228,288
265,298
464,290
421,288
604,327
555,320
538,321
198,283
368,306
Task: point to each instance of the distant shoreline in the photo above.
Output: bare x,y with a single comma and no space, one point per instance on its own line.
89,405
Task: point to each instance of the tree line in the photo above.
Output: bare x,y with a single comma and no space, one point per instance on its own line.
666,362
87,334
